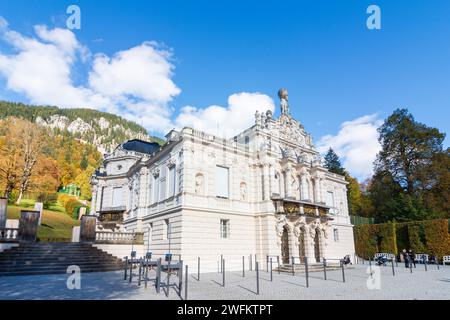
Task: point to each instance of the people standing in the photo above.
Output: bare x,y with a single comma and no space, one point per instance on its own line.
405,258
412,257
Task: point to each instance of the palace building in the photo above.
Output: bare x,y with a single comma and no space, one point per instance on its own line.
261,192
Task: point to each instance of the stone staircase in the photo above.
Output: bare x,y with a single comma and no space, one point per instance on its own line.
55,258
313,267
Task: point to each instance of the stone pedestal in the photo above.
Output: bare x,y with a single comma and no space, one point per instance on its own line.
87,228
76,234
28,225
81,213
3,207
39,206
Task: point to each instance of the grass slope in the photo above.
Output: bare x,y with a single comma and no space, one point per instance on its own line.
56,224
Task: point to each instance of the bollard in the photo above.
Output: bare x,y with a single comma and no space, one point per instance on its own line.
437,262
140,270
425,263
218,268
180,277
131,271
278,264
250,262
146,274
243,267
158,276
186,284
126,268
271,275
324,268
306,272
370,267
221,263
168,278
257,277
198,269
343,272
223,273
267,263
392,264
293,268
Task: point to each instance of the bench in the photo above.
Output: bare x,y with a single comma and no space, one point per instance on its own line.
420,258
445,260
388,256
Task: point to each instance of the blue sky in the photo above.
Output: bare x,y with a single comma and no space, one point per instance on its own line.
342,77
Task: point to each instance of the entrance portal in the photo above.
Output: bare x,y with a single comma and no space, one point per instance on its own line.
317,245
285,246
301,246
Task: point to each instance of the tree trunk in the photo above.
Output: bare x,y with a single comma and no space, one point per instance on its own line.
19,199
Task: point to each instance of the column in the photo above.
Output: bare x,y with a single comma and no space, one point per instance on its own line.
288,182
3,208
94,201
266,175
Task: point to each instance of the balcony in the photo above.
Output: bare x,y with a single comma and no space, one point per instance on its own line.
302,208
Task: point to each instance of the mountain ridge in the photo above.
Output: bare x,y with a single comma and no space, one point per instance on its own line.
103,130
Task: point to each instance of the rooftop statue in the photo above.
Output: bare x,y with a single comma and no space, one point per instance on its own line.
283,95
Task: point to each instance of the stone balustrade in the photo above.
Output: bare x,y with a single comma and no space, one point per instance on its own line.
9,235
119,237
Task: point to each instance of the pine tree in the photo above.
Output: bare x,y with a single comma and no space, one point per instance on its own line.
333,163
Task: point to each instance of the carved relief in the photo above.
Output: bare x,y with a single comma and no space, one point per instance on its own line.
243,189
279,225
199,182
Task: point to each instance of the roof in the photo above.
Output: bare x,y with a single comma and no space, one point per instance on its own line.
141,146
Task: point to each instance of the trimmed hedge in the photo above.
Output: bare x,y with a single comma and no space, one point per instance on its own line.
70,203
430,237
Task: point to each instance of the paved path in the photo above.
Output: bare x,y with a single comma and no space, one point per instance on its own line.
434,284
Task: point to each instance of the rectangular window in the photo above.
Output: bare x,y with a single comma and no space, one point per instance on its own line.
172,178
155,189
166,229
330,199
222,184
162,187
336,235
117,197
224,229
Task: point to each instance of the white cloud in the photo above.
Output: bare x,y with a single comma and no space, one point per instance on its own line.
227,121
135,83
144,71
356,144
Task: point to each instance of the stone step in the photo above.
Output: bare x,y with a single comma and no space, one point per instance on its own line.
30,256
56,261
50,258
56,271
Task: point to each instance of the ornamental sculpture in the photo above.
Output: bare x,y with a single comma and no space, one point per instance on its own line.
283,95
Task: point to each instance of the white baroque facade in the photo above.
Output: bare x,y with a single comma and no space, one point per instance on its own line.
262,192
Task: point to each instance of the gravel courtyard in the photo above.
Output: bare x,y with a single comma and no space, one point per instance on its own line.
421,284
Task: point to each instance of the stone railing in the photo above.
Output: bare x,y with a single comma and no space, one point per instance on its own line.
9,235
119,237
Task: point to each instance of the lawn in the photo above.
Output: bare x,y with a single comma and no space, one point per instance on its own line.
56,224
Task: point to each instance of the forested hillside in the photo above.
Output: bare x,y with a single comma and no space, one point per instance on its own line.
103,130
36,160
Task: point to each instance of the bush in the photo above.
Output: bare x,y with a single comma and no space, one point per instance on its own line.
429,236
47,198
13,196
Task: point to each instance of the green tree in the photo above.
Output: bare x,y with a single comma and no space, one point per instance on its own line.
408,148
333,163
402,168
84,162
